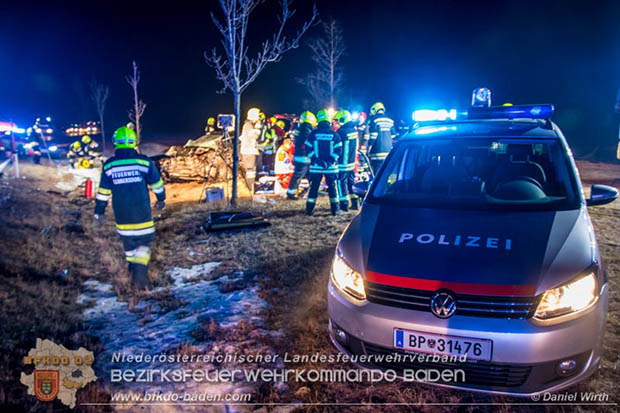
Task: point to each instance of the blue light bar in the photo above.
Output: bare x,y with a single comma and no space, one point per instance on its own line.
512,112
428,115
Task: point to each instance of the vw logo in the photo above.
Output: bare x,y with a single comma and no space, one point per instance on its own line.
443,304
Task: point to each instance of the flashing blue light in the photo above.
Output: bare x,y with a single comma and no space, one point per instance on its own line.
481,98
429,115
48,119
512,112
427,130
355,115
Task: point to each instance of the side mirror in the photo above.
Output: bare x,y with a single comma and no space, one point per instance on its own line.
360,188
601,195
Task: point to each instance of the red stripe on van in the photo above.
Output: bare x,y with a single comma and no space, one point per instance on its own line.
457,287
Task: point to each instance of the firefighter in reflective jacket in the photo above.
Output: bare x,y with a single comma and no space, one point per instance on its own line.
126,178
324,150
268,146
301,161
380,134
91,148
75,153
346,164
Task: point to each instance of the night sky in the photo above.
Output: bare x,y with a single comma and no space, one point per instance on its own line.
408,54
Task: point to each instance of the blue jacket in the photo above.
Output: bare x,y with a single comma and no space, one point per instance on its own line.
125,178
381,132
324,149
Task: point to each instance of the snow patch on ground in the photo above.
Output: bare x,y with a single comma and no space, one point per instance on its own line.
153,328
71,178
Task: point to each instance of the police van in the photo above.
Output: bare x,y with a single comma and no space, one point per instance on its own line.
474,251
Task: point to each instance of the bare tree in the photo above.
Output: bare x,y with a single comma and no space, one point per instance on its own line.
99,94
324,84
235,69
136,112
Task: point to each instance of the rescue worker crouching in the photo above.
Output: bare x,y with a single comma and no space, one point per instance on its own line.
91,148
301,161
325,149
283,167
75,153
126,178
346,164
380,132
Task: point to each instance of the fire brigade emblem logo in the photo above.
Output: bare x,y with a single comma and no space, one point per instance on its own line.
46,384
431,343
443,304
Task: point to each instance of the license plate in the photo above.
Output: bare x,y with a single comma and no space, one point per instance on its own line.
473,348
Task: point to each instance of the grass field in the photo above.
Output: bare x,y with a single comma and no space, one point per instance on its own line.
49,246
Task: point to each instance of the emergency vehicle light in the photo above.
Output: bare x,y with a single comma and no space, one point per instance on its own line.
512,112
481,98
428,115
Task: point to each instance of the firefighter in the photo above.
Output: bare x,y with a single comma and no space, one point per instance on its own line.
301,161
125,177
380,134
76,152
210,128
269,145
279,128
91,148
363,167
325,149
249,146
346,164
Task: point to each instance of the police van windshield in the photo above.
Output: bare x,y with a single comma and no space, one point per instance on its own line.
479,173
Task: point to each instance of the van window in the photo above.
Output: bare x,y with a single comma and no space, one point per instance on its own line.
479,173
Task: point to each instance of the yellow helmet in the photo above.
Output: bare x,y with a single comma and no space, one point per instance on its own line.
253,114
211,121
308,117
280,124
76,145
86,139
377,107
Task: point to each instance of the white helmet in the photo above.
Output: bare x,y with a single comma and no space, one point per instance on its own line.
253,114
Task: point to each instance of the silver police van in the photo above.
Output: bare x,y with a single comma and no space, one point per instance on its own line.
474,252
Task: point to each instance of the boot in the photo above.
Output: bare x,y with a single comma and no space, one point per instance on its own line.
335,209
344,206
355,203
291,196
139,276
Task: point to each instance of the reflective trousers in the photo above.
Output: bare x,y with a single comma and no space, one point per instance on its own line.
315,183
346,179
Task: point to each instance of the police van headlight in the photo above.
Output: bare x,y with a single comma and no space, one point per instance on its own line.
346,279
569,298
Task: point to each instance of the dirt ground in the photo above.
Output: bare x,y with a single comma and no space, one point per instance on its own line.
49,246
